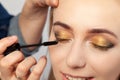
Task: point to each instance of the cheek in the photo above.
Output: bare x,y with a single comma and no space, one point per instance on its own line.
56,52
106,64
59,52
58,56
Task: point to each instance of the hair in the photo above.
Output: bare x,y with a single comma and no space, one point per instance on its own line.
51,76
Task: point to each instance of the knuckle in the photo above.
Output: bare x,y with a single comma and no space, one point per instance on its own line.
20,54
36,72
31,58
21,68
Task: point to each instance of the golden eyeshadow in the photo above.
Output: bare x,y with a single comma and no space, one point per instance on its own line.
62,35
101,42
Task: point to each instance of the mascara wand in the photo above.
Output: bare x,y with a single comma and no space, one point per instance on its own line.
17,46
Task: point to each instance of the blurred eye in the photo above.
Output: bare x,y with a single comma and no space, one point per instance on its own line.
62,37
101,43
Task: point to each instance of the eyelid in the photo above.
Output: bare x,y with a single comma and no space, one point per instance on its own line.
101,42
104,36
100,39
110,45
63,36
103,48
63,32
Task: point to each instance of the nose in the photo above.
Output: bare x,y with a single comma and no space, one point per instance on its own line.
76,57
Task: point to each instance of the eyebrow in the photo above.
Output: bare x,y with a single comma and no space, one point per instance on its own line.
102,31
62,24
90,31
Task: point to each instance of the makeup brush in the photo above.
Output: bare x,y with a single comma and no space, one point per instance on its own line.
17,46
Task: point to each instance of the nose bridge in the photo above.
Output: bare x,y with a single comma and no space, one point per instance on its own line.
76,56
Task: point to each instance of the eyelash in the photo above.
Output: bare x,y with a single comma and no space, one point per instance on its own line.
60,40
103,48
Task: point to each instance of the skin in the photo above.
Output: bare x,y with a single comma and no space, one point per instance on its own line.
76,53
31,19
15,64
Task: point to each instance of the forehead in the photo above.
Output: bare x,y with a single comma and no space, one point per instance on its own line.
87,9
90,3
88,13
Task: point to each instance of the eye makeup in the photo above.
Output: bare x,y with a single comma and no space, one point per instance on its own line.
62,36
101,42
63,32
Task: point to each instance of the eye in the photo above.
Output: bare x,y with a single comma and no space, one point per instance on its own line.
101,43
104,47
62,37
63,40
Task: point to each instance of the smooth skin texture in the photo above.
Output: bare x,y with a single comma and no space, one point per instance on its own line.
88,32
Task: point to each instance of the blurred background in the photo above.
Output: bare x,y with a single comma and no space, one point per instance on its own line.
13,6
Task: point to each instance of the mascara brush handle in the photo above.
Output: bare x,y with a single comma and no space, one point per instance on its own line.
17,46
12,48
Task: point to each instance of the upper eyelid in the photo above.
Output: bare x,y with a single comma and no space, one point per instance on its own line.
112,41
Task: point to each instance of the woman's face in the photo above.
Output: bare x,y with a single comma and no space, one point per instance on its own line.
88,32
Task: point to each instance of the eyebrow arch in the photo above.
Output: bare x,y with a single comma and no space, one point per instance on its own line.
102,31
62,24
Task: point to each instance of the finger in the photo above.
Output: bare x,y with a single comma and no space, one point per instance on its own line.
24,67
6,42
52,3
38,69
8,63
